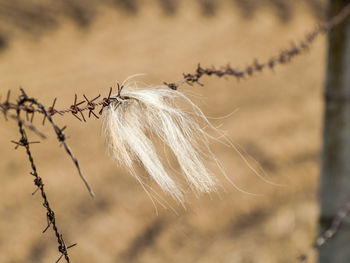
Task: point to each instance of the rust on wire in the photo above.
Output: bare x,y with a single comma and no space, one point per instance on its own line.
106,101
51,110
74,109
91,105
50,215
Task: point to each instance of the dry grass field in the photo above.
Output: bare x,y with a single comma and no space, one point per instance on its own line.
277,123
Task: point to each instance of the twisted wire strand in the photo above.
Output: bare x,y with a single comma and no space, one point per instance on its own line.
50,215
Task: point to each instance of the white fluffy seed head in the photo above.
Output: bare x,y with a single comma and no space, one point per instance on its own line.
131,123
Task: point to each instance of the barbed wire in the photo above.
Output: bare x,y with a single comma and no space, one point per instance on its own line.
50,214
31,106
336,223
283,57
59,132
74,109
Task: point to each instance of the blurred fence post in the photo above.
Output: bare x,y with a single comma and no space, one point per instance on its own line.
335,184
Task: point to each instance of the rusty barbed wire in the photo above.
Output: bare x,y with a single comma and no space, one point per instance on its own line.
75,109
91,105
336,223
59,132
284,57
50,215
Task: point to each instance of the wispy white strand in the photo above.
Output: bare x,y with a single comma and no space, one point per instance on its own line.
152,111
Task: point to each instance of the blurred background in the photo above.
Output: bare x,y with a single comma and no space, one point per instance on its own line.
62,48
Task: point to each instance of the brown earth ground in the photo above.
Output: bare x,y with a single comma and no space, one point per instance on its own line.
278,124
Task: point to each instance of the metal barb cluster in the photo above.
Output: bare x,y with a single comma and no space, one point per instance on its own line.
76,109
91,105
50,215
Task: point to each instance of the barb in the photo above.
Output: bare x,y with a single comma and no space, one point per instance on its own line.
337,221
50,215
59,132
